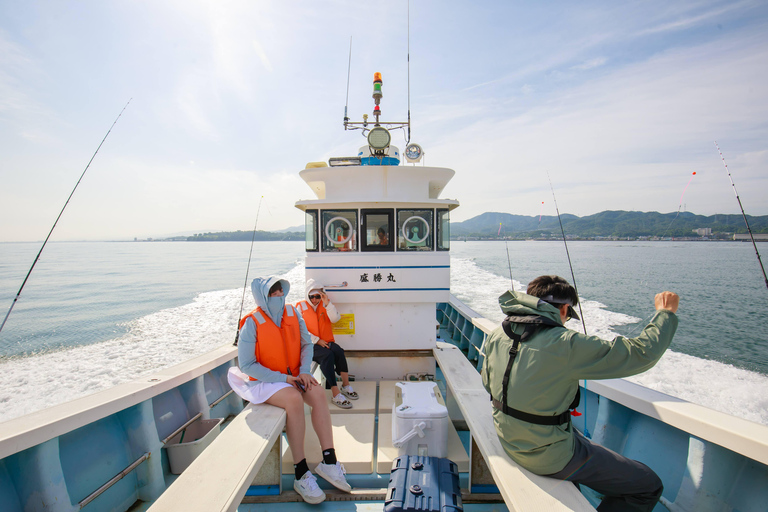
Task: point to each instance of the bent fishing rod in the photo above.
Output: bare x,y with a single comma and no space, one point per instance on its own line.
247,269
60,214
744,215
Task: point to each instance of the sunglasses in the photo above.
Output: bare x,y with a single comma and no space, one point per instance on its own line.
315,297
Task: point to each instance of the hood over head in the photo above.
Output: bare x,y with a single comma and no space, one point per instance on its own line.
312,285
260,289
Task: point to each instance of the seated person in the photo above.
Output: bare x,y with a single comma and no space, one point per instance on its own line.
319,314
532,368
269,335
382,234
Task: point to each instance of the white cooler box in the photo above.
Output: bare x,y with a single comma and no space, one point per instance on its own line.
419,420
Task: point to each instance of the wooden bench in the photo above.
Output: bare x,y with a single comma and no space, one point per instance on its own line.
219,478
522,490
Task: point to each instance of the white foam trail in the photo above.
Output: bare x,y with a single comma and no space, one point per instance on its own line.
712,384
174,335
153,342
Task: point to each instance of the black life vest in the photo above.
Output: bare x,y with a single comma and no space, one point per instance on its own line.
532,324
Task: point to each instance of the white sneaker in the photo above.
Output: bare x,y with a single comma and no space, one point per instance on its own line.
307,488
334,474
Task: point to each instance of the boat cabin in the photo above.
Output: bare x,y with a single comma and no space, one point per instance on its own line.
378,238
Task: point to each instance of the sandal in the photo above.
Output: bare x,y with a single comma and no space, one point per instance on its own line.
350,393
340,401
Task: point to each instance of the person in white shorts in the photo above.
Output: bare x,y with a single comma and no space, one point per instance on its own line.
275,353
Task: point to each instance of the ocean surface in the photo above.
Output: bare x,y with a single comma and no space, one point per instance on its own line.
96,314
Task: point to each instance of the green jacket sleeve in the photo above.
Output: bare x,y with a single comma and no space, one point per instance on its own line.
595,358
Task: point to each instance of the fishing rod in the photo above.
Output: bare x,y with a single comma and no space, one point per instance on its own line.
247,269
744,215
509,263
573,277
60,214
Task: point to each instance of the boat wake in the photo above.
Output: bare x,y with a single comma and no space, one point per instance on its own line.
174,335
153,342
713,384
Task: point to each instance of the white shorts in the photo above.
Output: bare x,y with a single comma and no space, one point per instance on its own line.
254,391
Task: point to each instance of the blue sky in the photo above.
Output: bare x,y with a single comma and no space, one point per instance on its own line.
619,101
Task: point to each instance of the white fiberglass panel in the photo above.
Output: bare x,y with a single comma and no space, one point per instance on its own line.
408,326
382,278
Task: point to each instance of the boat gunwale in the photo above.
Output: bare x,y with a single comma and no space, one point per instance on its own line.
35,428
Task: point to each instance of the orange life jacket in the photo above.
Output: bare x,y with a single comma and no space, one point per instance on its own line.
277,348
317,321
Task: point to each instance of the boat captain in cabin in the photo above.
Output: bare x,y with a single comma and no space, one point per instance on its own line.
532,367
381,233
319,315
274,354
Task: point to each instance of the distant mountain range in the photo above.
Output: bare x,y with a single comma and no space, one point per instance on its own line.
619,224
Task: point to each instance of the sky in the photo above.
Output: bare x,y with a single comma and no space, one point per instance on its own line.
616,104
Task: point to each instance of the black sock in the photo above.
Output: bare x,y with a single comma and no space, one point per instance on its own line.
329,456
300,468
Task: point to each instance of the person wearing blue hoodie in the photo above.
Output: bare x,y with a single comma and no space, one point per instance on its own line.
275,353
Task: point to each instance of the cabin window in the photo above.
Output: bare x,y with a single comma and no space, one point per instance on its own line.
339,231
310,230
414,230
443,230
377,230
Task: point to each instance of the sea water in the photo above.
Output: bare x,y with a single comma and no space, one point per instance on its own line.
95,314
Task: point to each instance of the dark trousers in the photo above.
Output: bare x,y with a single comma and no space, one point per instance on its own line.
627,485
331,360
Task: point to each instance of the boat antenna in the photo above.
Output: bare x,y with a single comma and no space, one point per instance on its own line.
245,285
744,215
57,218
581,313
349,70
409,73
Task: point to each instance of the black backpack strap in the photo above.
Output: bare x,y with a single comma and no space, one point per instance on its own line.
561,418
532,324
516,340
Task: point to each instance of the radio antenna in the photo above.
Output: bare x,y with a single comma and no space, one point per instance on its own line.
409,73
349,70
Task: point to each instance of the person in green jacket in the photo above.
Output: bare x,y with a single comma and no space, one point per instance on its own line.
531,370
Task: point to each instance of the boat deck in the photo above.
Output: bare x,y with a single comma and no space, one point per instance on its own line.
363,442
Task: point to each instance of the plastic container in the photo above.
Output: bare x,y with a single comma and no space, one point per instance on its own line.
419,420
423,484
197,437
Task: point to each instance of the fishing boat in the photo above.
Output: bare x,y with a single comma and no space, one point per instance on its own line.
180,439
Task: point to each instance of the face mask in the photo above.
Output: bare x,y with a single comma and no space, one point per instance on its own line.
275,307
